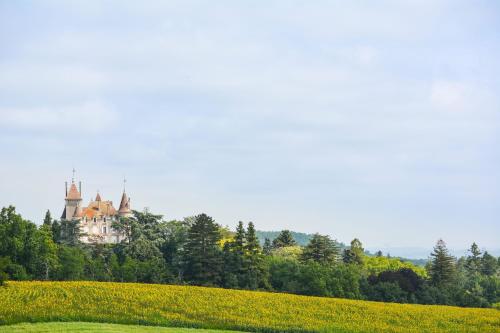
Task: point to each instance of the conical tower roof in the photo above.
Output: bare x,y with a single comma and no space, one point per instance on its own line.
98,197
73,193
124,204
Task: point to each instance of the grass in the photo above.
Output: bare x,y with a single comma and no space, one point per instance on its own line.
74,327
213,308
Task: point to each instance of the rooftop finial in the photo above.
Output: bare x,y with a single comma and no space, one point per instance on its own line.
124,183
73,177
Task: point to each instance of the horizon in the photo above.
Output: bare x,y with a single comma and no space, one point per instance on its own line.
380,124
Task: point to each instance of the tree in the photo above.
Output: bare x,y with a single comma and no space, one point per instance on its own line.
488,264
284,239
70,233
202,252
256,271
72,263
17,238
234,257
48,219
442,268
267,248
473,261
321,249
4,263
46,252
354,255
56,231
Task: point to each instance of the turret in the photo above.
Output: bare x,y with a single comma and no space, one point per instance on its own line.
124,209
73,199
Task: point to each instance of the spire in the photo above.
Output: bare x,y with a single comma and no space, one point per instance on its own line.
98,197
124,205
73,193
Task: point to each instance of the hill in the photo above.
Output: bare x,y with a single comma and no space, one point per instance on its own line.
213,308
301,238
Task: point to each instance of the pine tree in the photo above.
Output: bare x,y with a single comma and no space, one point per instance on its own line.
255,269
442,268
489,264
234,257
473,261
267,248
284,239
202,252
239,242
48,219
321,249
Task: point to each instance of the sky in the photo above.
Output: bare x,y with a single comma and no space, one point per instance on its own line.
376,120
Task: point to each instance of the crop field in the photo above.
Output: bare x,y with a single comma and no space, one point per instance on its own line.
213,308
78,327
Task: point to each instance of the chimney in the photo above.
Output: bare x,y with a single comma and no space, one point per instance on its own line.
66,187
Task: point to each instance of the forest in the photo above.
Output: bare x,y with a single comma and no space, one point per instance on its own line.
198,251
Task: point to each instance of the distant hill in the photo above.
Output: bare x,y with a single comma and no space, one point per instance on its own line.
301,238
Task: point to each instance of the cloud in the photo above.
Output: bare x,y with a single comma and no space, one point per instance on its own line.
91,116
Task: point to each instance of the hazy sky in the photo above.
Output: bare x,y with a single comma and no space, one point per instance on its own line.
378,120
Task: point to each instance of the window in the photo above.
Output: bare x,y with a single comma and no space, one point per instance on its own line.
95,219
104,219
104,229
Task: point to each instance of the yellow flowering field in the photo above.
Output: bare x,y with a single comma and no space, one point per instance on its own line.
213,308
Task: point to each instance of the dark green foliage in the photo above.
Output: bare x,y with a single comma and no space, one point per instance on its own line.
47,219
321,249
46,259
202,255
405,278
489,264
70,233
284,239
312,278
354,254
4,264
267,247
442,268
71,263
473,261
56,231
256,272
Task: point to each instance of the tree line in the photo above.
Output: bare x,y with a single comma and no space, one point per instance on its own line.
198,251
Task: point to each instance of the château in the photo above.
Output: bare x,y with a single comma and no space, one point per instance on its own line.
96,219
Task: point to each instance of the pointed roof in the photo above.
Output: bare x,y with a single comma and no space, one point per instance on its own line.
98,197
73,193
124,204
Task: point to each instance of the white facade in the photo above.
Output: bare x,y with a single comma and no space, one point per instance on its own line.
97,218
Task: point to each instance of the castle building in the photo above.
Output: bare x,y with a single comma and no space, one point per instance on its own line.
97,218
